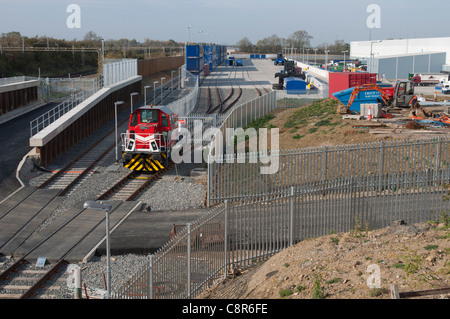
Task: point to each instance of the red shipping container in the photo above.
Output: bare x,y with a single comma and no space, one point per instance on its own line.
339,81
389,90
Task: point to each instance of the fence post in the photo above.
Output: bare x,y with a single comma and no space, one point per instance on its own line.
291,217
188,260
150,277
380,166
208,186
225,261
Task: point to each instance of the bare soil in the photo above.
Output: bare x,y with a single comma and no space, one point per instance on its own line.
329,128
338,266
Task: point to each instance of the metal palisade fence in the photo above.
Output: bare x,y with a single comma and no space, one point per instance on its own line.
236,235
314,192
236,177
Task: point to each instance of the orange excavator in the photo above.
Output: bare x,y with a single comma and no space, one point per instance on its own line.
403,94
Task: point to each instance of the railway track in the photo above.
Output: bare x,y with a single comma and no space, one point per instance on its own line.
128,187
235,93
222,105
22,279
68,178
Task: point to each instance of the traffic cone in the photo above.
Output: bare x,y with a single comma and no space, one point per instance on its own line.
369,116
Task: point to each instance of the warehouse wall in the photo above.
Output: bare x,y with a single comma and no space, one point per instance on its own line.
361,49
400,67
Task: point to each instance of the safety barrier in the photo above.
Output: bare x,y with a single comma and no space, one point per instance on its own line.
119,71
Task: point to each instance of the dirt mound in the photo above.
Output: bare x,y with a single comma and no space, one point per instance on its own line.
344,266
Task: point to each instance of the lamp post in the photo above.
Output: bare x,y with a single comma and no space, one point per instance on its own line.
315,56
307,56
131,104
326,58
371,54
171,80
189,33
154,91
145,94
162,89
343,67
115,112
106,206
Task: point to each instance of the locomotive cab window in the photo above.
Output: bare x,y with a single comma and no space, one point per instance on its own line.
134,120
149,116
164,120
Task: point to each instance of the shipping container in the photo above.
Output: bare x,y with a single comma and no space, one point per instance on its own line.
193,51
339,81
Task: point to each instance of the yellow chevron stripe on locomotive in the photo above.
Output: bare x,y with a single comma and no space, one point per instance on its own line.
144,163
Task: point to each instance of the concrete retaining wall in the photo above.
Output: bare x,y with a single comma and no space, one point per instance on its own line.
16,95
83,120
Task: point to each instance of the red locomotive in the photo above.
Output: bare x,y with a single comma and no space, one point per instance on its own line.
147,144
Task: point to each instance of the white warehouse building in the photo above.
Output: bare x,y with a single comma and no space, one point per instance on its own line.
395,59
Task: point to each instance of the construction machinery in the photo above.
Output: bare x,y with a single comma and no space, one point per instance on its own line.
279,60
402,96
289,71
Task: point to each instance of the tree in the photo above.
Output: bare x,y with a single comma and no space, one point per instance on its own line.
245,45
272,44
92,36
337,47
299,39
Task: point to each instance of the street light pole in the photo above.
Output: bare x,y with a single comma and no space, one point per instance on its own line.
115,111
131,104
343,67
145,94
106,206
154,91
162,89
189,34
171,80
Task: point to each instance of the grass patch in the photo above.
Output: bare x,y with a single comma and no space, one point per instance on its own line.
333,281
376,292
318,292
320,108
285,293
261,122
299,288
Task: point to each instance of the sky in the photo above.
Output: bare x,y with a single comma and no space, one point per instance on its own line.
227,21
